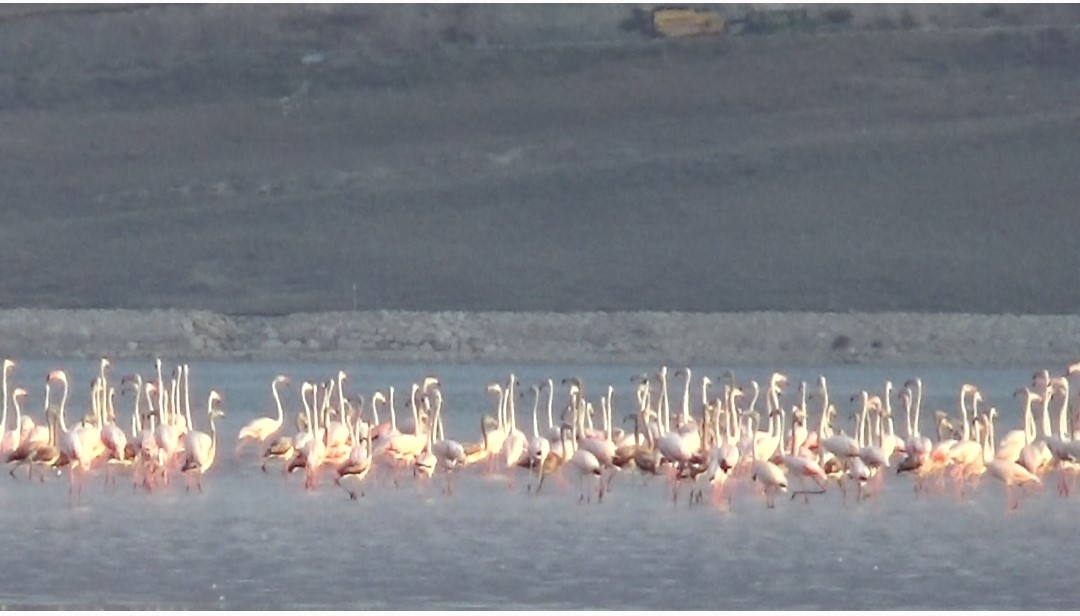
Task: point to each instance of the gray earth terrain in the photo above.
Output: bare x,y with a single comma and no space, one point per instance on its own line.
280,159
540,182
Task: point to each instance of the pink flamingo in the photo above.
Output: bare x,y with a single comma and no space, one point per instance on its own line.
200,448
70,444
262,428
9,440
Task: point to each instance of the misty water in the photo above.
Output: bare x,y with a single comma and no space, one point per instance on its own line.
257,541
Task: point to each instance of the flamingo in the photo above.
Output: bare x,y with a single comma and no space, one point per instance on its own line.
1064,450
1014,441
70,444
9,440
515,445
770,476
803,467
112,436
725,457
425,463
338,433
262,428
871,455
603,448
842,446
1007,471
166,436
420,393
384,431
25,451
539,447
47,456
585,464
405,447
494,440
313,449
357,467
200,447
448,452
282,447
476,452
149,453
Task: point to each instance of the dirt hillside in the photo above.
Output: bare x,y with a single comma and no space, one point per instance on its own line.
276,159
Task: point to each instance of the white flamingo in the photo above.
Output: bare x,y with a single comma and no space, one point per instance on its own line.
1007,471
262,428
201,448
70,445
9,440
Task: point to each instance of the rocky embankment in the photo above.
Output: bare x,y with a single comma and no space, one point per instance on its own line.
765,337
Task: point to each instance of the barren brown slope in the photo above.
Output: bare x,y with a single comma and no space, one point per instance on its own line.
906,170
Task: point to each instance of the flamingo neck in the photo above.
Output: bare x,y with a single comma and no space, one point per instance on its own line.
1063,412
685,412
3,420
277,403
63,407
918,406
550,403
1046,429
186,372
535,418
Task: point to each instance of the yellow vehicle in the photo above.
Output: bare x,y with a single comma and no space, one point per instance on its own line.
682,22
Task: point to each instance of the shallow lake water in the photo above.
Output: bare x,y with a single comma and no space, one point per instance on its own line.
257,541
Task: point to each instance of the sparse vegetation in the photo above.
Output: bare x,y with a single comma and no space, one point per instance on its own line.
993,11
884,23
839,16
769,22
841,343
908,20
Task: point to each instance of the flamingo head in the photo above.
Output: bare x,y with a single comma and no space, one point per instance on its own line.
214,396
58,375
8,364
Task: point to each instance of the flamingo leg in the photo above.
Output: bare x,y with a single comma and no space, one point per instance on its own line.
718,492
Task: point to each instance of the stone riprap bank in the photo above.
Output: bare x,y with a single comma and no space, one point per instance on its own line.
763,337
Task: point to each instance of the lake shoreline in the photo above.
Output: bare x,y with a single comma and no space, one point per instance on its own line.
795,338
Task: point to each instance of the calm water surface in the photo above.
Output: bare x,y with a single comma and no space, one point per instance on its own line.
254,541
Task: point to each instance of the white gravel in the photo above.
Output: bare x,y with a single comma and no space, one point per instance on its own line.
761,337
